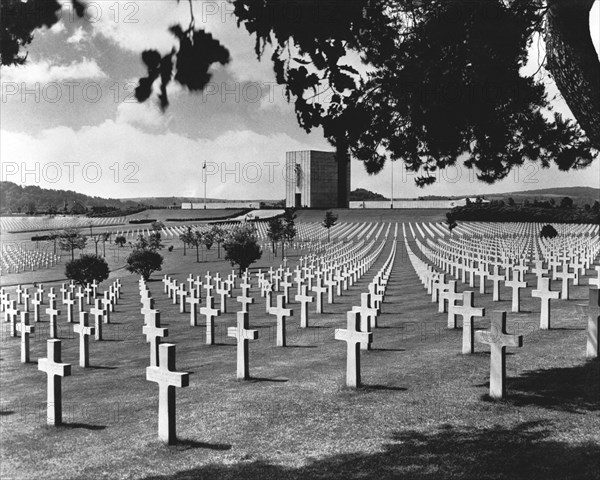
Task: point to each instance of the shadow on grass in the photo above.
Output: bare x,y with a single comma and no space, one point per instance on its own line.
387,350
567,328
367,388
185,444
99,367
262,379
524,451
85,426
572,389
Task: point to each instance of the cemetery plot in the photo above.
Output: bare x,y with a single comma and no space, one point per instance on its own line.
17,259
252,405
58,222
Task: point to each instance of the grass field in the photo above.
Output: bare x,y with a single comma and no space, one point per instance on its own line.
422,413
375,215
163,214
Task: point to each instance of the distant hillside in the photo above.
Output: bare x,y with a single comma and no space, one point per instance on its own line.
579,195
361,194
32,199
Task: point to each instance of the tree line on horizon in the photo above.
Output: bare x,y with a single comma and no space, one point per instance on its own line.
547,211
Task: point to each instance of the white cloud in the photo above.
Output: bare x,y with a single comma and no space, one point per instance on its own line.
146,114
241,164
144,25
44,71
79,36
595,25
58,27
274,99
119,159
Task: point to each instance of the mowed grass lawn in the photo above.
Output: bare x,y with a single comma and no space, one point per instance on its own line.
421,414
163,214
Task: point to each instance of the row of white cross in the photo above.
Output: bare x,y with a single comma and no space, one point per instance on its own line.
52,364
444,292
58,222
162,356
19,259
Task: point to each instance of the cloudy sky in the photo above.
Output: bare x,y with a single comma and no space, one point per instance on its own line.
69,121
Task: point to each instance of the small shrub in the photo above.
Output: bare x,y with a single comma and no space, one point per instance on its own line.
548,231
86,269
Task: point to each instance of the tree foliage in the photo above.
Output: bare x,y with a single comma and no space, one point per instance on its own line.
20,19
218,234
444,82
187,238
288,228
274,232
208,239
144,262
451,221
539,212
361,194
566,202
152,242
188,65
145,258
548,231
241,246
157,226
71,239
329,221
86,269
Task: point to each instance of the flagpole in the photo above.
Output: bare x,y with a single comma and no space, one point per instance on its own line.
204,174
392,164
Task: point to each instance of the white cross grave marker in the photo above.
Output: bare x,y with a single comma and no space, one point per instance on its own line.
242,333
467,311
516,284
210,312
84,331
353,338
55,370
592,327
25,329
304,300
153,333
98,312
545,294
281,312
168,379
498,340
53,313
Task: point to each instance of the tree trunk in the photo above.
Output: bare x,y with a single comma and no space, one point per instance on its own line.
573,62
198,254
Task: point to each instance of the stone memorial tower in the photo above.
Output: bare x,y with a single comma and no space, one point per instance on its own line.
315,180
